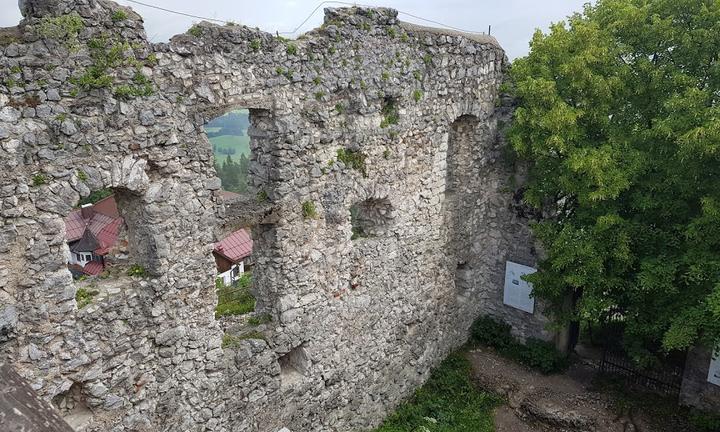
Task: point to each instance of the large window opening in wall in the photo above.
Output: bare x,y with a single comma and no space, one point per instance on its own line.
96,235
229,136
109,241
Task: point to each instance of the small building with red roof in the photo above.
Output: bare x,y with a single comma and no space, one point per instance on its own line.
233,255
91,232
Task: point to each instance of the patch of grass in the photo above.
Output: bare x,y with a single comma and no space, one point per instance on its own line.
308,210
417,95
260,319
391,32
63,28
84,296
317,80
319,95
448,402
352,159
233,341
234,299
81,175
195,30
386,153
137,270
340,108
95,196
427,59
39,179
385,75
119,15
291,49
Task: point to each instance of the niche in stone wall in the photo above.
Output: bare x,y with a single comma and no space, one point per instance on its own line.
371,218
294,365
73,407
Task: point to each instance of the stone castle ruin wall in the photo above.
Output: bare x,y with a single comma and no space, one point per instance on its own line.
356,324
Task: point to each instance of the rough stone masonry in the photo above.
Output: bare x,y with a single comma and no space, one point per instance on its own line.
397,121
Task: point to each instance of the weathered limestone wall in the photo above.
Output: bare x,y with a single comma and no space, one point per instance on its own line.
696,391
356,324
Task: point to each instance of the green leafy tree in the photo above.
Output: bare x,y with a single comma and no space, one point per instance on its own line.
619,122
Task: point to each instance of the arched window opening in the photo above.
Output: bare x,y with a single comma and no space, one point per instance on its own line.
371,218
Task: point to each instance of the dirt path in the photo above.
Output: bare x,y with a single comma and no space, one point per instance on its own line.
545,403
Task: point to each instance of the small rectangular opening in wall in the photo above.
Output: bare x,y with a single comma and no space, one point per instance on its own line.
294,365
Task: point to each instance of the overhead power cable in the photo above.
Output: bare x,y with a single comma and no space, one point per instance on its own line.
321,4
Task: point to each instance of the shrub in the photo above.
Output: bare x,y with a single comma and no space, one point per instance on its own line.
119,15
534,353
352,159
195,30
542,356
63,28
39,179
704,421
491,332
84,297
234,299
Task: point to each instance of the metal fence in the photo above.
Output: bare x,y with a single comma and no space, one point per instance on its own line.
666,380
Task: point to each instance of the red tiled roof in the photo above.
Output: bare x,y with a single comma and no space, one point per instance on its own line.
236,246
105,228
93,268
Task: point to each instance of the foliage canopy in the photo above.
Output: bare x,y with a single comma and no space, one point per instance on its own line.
619,120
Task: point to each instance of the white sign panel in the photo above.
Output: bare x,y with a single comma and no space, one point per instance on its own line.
714,371
517,291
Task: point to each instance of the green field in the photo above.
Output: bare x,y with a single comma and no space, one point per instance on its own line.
241,144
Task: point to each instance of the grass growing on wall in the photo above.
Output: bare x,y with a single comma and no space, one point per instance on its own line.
448,402
234,299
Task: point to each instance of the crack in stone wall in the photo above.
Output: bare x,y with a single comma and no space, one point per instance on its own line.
370,317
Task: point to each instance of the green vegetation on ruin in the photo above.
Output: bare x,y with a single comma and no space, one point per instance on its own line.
234,299
448,402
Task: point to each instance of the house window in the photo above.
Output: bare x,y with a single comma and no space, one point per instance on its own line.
77,257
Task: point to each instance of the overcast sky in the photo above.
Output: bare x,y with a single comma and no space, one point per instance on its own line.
513,21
